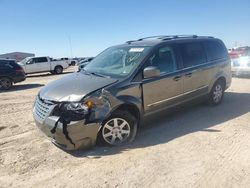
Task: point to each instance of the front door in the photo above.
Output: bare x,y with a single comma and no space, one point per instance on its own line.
31,66
163,91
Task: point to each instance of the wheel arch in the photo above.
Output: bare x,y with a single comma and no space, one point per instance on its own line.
7,77
58,66
131,108
216,79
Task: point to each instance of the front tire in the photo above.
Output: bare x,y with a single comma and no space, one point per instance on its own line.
217,93
5,83
119,128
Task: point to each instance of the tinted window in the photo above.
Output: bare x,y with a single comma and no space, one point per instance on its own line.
7,63
215,50
40,60
164,59
192,54
3,63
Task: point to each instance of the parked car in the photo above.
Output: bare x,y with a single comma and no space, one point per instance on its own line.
109,98
238,52
84,62
10,72
241,65
71,62
43,64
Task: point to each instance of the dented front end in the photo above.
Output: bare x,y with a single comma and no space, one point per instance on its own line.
73,125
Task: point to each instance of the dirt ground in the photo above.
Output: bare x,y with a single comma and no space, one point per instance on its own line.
199,146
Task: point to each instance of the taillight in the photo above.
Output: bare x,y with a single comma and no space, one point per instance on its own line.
19,70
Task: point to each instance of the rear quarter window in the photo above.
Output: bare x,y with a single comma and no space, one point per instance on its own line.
7,63
215,50
40,60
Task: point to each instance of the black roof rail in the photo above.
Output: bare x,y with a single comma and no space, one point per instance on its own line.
151,37
167,37
179,36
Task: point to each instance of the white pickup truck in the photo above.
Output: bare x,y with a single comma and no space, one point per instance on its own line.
43,64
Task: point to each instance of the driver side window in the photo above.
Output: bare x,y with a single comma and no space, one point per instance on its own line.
164,59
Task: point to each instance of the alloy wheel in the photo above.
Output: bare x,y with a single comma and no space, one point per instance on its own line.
5,83
217,93
116,131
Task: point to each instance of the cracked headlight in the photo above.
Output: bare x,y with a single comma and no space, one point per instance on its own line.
79,106
76,110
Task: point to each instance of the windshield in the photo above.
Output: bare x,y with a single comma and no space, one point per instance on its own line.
117,61
24,60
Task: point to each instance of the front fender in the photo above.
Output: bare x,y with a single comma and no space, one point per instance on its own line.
107,102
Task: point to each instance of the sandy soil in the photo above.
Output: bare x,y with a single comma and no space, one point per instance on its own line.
199,146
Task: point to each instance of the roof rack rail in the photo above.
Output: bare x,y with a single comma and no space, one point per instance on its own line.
179,36
167,37
151,37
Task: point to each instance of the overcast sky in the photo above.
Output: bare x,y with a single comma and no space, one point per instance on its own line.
54,27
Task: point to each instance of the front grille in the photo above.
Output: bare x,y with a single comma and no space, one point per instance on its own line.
42,109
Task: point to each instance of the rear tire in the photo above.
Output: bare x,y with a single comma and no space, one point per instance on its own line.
217,93
5,83
118,129
58,70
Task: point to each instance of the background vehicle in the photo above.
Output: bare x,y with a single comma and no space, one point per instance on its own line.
240,61
43,64
241,65
84,62
108,99
70,62
238,52
10,72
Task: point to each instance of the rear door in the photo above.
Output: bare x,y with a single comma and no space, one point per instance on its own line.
195,70
43,63
163,91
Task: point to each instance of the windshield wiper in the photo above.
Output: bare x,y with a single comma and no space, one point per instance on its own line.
98,74
95,74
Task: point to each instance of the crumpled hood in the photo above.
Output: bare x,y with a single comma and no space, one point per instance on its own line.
73,87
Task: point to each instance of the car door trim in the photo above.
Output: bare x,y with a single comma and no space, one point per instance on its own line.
171,98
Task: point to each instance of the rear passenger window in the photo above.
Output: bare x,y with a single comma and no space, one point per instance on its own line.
40,60
4,64
215,50
192,54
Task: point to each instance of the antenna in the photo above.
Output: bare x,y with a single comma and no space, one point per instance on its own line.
70,45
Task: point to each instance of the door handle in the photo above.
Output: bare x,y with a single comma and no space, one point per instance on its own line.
189,74
177,78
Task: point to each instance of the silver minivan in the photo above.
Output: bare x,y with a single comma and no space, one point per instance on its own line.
107,100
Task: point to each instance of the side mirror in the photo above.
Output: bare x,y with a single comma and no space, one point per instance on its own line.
150,72
29,62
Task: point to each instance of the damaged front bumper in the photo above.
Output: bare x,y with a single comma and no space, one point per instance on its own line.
71,136
82,136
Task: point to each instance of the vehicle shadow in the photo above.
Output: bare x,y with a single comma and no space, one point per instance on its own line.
242,76
161,128
22,87
46,74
